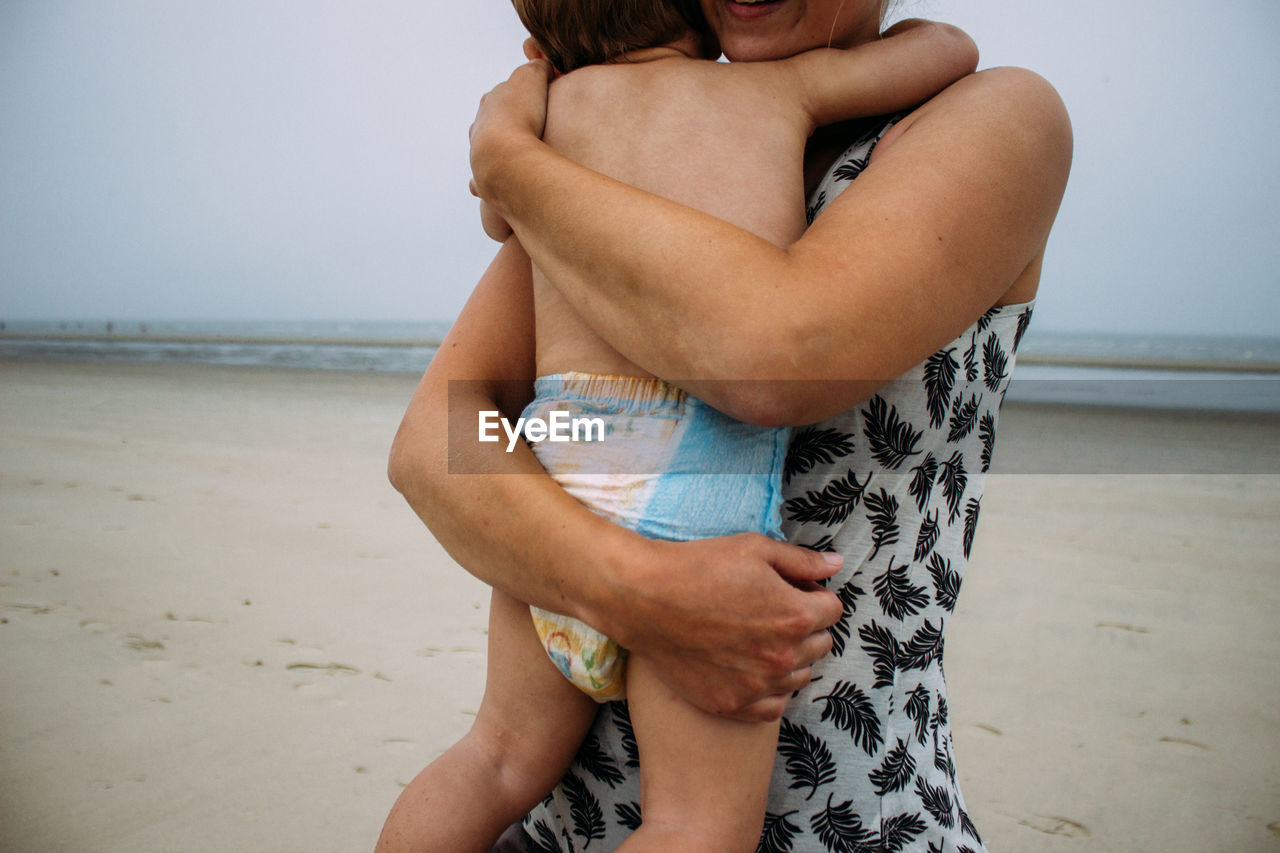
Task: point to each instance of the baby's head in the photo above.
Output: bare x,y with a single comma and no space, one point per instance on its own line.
573,33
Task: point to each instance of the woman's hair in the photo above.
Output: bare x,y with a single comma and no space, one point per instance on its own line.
573,33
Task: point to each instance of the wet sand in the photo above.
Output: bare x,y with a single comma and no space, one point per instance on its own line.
222,628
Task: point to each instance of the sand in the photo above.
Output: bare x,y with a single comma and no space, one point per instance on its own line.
222,629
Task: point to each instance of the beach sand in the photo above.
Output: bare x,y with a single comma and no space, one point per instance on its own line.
222,629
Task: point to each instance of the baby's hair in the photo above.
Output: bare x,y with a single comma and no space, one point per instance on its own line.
573,33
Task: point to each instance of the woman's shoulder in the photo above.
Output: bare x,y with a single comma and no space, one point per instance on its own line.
1021,82
1001,89
1018,95
1012,110
998,140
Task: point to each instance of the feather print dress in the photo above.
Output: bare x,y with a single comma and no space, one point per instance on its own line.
865,760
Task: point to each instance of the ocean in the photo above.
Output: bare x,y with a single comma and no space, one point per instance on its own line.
1145,371
383,347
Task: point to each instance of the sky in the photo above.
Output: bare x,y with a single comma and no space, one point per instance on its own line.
307,159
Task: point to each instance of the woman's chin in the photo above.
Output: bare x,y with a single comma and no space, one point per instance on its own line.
751,31
757,45
749,53
776,29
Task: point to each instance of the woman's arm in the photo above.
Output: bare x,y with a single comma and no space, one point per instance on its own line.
734,622
956,205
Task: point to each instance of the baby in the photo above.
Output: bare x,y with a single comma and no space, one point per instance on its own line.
638,99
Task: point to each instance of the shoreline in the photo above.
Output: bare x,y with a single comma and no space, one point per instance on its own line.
223,628
256,340
1159,364
1185,365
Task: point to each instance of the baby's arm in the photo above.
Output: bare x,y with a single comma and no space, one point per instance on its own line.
913,62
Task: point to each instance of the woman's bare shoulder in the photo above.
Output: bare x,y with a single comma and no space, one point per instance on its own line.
953,212
1009,108
998,141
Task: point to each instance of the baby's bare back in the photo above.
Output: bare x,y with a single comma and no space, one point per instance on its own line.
725,139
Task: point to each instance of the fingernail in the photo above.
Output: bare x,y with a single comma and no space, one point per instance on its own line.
833,559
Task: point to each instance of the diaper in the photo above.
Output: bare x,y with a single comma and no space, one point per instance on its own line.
653,459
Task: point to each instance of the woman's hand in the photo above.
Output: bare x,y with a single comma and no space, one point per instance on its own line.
733,624
512,114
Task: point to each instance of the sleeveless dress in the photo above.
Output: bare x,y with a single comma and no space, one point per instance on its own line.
865,759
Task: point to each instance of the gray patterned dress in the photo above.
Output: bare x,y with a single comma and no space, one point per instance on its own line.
894,484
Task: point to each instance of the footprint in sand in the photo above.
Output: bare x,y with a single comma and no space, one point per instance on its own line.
139,643
170,617
325,694
1054,825
1179,740
326,668
1120,626
34,609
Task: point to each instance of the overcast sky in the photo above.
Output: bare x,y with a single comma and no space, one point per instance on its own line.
306,159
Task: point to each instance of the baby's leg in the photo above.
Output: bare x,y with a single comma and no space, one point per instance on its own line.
704,780
529,726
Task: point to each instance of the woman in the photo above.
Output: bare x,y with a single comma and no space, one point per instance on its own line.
894,319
